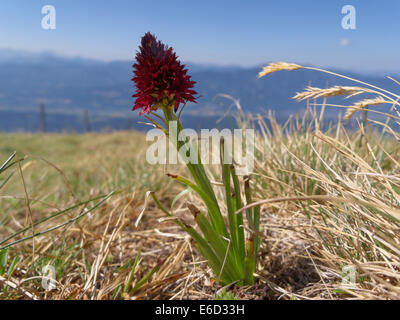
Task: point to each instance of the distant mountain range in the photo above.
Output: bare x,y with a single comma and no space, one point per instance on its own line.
69,85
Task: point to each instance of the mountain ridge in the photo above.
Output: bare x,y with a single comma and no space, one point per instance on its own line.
74,84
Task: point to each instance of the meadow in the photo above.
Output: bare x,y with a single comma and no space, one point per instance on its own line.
328,196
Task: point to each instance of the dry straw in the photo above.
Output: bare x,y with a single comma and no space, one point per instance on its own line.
315,93
361,105
333,201
278,66
383,96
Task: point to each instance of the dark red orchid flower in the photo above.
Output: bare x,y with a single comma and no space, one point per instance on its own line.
160,78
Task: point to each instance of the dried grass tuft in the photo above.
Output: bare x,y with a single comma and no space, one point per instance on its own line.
329,199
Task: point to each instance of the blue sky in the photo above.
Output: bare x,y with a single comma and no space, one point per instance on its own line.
243,33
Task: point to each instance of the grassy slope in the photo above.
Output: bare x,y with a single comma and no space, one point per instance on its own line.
91,162
335,203
60,171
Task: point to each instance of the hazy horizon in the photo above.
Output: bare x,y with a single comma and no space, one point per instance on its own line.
54,54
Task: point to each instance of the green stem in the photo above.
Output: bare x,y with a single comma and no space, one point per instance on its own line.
233,226
239,216
250,261
203,246
200,177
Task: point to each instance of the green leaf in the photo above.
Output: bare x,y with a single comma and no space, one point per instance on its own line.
215,214
147,277
53,228
53,216
180,195
135,263
3,260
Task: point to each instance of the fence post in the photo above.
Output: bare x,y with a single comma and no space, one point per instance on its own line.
88,126
129,124
42,114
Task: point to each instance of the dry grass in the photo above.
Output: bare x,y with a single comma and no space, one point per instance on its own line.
329,197
278,66
346,184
